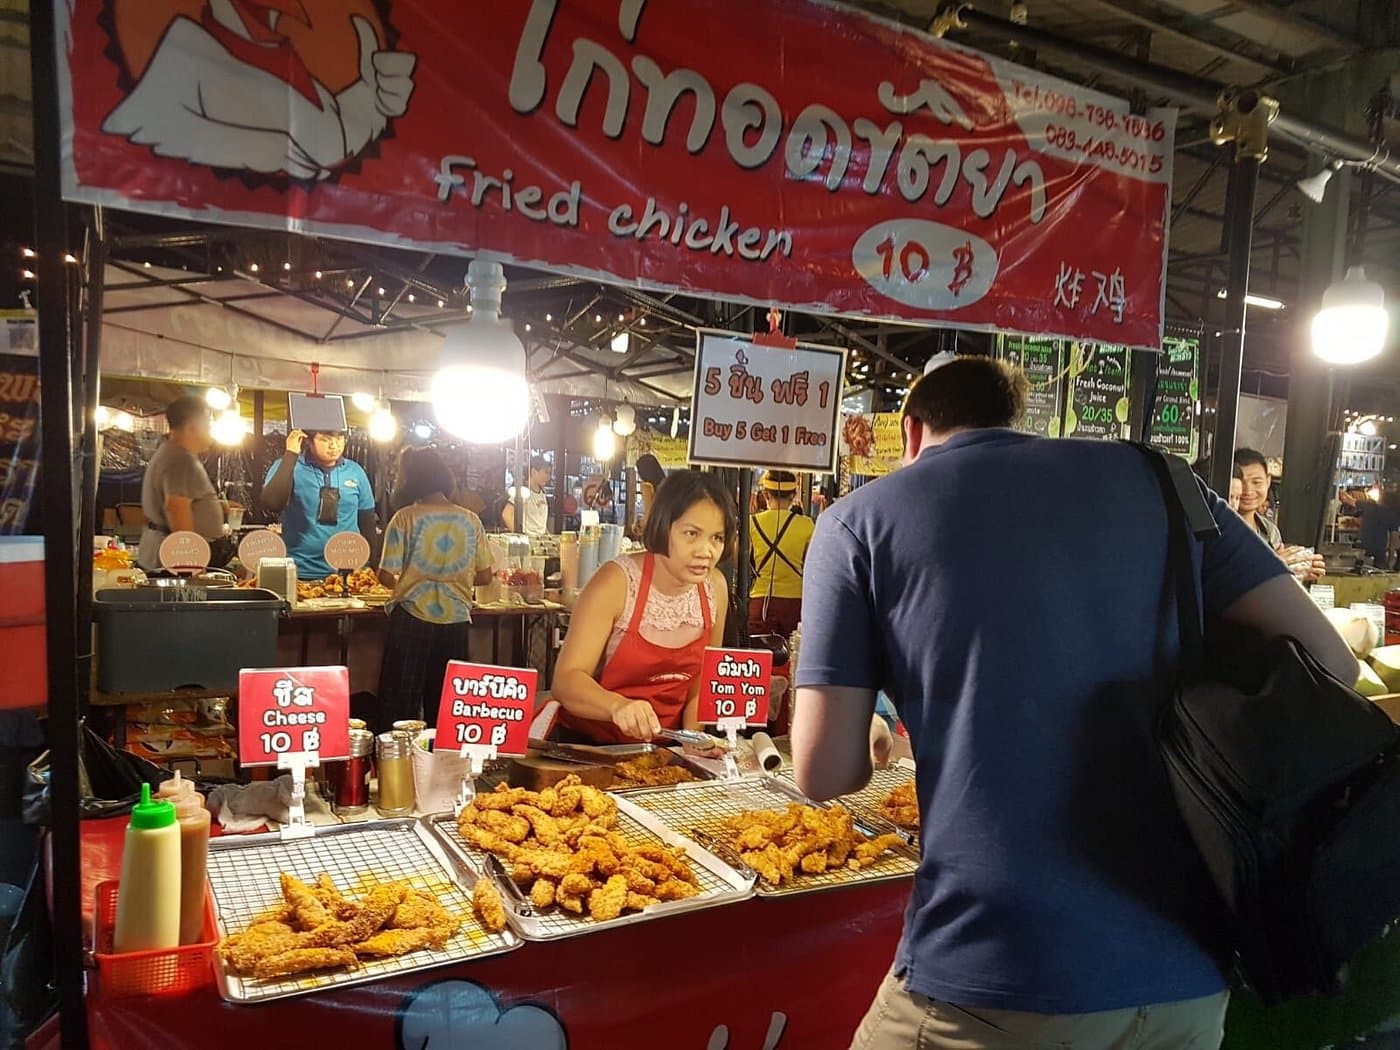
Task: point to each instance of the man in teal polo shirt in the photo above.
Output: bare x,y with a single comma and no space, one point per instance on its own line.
319,492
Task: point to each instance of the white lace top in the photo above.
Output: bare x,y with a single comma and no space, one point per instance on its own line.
669,620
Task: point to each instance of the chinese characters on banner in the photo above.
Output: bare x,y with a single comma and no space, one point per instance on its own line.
293,711
765,406
1175,413
1098,391
872,445
615,140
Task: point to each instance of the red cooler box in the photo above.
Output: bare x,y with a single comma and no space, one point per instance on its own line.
25,682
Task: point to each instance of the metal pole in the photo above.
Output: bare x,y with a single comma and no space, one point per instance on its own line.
60,540
1244,181
96,263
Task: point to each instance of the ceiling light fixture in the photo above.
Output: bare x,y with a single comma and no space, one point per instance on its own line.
1351,325
1264,302
626,422
480,393
621,343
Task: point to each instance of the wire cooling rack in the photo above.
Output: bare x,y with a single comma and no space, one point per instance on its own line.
705,808
244,876
865,803
719,883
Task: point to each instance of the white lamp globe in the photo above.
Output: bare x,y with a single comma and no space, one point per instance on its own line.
604,443
1351,325
626,422
479,392
228,428
217,398
383,427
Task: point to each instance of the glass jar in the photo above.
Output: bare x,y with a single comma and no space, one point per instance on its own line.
394,757
348,781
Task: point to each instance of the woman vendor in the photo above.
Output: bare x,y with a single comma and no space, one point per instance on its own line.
630,665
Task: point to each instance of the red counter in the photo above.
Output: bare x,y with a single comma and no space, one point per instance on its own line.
790,974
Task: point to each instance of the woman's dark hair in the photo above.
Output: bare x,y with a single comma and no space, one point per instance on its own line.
969,393
421,473
681,490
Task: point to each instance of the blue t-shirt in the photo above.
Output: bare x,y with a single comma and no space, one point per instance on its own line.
304,535
1009,594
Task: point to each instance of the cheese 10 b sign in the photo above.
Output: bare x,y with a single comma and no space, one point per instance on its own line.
293,711
486,707
735,684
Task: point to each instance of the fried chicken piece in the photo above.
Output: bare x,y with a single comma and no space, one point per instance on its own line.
546,800
546,827
307,909
243,951
755,837
600,855
522,874
639,902
675,890
901,806
764,866
867,853
335,902
638,883
568,799
302,960
510,827
813,864
491,842
575,885
502,798
673,858
488,907
597,804
401,942
546,863
378,907
542,894
421,910
607,901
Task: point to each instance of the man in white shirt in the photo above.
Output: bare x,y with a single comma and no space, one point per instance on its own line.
536,505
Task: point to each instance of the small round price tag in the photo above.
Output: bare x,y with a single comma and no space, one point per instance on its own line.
258,545
184,552
347,551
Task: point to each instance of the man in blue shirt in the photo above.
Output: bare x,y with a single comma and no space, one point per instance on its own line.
1008,593
319,492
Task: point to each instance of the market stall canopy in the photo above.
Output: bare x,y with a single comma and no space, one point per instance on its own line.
211,330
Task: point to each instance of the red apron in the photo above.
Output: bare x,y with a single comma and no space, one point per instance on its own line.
643,670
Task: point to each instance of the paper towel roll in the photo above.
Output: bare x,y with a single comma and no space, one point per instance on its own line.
766,753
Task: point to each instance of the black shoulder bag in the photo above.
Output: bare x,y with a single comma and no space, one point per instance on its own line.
1288,780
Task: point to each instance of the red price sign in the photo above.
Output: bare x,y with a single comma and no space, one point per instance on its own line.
487,707
293,710
736,683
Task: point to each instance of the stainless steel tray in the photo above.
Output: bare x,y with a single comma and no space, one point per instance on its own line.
719,883
243,875
705,807
865,803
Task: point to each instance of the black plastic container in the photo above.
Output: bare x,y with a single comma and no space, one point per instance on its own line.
150,642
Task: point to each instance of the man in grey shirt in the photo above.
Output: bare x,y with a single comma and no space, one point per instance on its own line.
176,494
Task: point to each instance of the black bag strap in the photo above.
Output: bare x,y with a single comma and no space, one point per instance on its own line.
773,545
1188,515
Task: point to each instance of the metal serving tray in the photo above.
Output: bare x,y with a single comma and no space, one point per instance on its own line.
719,883
703,808
244,870
865,803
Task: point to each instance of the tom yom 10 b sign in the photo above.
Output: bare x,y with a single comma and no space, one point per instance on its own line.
700,146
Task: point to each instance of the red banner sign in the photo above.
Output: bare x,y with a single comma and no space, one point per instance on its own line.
623,141
735,683
293,710
486,706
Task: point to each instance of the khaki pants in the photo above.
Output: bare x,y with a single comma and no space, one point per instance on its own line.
903,1020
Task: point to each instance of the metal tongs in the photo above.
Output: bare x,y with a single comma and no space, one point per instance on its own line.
693,738
500,875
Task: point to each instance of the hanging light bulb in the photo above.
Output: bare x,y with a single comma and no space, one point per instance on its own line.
363,402
479,393
1351,326
626,422
216,397
383,427
102,417
604,443
621,343
228,428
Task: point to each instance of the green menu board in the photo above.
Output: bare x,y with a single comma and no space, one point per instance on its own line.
1043,362
1174,418
1098,391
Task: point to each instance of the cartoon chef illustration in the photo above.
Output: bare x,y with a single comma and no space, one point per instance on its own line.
292,87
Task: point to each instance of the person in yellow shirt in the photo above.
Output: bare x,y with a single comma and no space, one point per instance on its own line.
779,537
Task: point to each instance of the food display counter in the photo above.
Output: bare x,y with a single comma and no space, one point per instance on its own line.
793,966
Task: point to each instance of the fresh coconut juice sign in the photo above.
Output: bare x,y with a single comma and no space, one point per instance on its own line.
1098,391
1043,362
